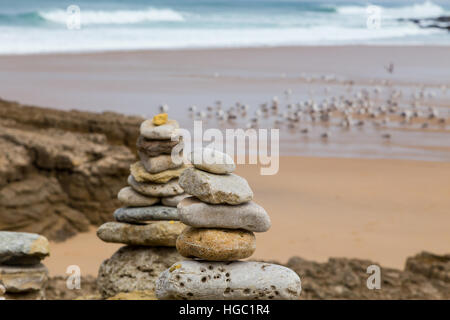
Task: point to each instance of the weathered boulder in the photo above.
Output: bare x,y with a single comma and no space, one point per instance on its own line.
134,269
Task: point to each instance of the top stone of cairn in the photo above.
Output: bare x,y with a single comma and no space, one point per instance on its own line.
212,161
159,129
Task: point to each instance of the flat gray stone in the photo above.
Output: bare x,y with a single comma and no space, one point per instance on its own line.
168,131
168,189
142,214
130,198
238,280
212,161
21,248
24,278
174,201
248,216
160,163
214,188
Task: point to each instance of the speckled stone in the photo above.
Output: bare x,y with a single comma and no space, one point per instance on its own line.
238,280
248,216
216,244
130,198
142,214
214,188
171,188
158,233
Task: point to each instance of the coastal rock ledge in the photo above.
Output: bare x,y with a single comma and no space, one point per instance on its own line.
60,171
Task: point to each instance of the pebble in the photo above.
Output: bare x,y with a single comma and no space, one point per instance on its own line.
130,198
153,148
159,163
238,280
158,233
23,278
160,119
216,244
141,175
215,189
21,248
167,131
212,161
142,214
171,188
173,201
248,216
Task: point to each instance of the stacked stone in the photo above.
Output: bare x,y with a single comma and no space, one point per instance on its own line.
22,275
222,219
143,220
148,222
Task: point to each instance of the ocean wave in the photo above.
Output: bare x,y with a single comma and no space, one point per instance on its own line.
419,10
90,17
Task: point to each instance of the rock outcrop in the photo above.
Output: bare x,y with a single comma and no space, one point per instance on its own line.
60,171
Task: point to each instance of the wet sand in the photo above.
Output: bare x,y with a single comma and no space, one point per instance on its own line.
382,210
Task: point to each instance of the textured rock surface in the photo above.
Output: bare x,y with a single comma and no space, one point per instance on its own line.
22,248
248,216
216,244
2,290
160,163
212,161
60,171
24,278
133,215
163,132
239,280
134,269
57,289
173,201
168,189
215,189
153,148
141,175
342,278
135,295
158,233
130,198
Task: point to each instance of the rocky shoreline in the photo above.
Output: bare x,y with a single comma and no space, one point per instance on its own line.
425,276
44,150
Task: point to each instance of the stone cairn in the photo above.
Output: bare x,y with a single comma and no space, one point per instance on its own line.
22,275
148,221
221,219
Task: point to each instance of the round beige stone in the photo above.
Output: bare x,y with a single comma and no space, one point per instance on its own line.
216,244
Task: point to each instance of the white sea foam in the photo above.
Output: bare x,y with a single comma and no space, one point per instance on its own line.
89,17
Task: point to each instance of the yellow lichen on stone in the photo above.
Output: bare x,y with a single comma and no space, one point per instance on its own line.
175,267
40,246
160,119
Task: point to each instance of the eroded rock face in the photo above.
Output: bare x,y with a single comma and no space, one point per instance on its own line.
19,279
216,189
238,280
216,244
56,182
134,269
20,248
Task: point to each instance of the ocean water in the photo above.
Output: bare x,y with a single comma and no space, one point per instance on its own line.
35,26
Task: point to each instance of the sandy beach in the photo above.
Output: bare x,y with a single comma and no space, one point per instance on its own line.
382,210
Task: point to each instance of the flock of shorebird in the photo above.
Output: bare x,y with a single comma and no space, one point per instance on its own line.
381,107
